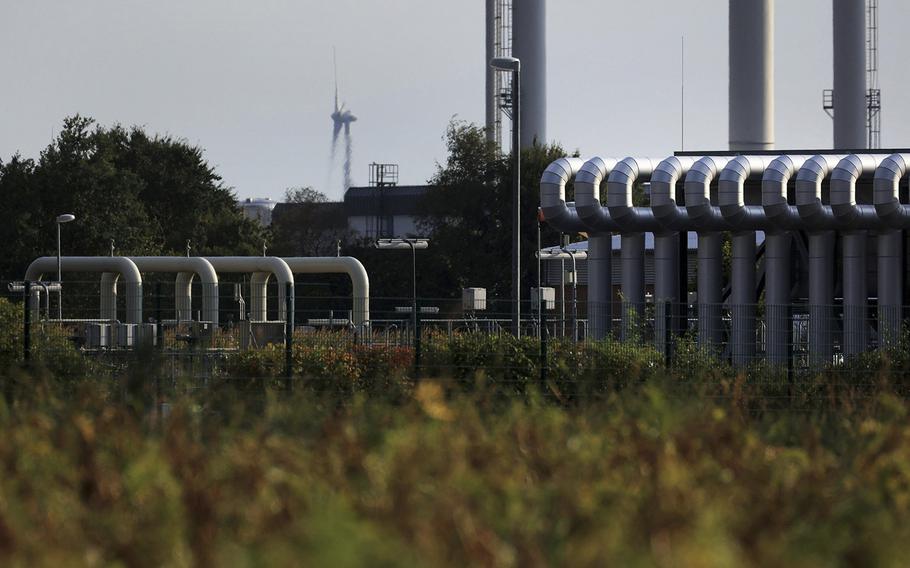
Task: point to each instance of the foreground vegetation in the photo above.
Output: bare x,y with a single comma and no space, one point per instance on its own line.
658,470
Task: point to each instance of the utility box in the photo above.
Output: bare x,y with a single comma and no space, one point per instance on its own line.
261,333
474,299
97,335
545,297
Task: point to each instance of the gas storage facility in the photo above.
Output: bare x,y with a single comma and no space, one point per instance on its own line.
758,252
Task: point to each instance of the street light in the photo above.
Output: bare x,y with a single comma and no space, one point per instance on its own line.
414,245
61,219
514,65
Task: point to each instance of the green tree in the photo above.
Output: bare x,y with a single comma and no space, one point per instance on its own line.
307,224
468,213
149,194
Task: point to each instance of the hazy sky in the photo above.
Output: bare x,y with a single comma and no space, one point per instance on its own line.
251,81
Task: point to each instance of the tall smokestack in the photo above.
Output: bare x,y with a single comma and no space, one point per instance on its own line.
751,94
529,44
849,74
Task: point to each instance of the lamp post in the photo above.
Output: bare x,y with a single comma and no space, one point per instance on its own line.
514,65
414,245
61,219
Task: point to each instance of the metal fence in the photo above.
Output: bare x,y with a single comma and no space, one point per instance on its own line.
306,336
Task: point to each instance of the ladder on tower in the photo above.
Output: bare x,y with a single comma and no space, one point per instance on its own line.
503,81
874,94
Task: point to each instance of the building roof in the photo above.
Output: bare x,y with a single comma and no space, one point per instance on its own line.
390,200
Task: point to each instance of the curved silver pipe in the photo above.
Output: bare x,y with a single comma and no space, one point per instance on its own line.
856,219
707,220
620,186
782,218
746,218
553,195
890,247
360,281
885,191
587,194
820,221
115,264
663,192
667,263
593,217
258,264
183,292
849,213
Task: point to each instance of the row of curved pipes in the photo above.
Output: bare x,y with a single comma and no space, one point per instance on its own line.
260,269
806,175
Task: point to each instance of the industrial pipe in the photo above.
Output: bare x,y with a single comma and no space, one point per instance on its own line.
896,215
634,222
782,218
856,220
186,265
746,218
121,265
819,220
667,262
360,281
561,217
252,265
553,195
708,221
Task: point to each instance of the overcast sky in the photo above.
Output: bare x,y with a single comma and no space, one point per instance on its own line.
251,81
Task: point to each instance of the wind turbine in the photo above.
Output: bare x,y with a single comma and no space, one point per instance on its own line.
341,120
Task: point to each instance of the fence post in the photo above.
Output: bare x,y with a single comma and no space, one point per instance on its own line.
416,341
289,335
159,329
544,335
27,323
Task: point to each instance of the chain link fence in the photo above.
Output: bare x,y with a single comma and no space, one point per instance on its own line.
307,338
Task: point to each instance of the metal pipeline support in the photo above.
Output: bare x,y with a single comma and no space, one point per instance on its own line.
819,219
254,264
553,196
360,281
119,264
259,282
634,221
856,219
183,292
708,221
600,284
743,299
109,295
183,296
778,240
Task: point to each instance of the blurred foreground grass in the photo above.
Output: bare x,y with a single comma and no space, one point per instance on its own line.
660,472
